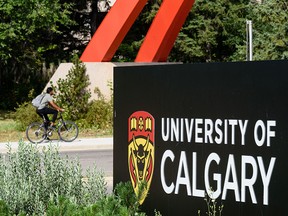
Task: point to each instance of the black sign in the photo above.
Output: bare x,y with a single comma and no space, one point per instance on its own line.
194,130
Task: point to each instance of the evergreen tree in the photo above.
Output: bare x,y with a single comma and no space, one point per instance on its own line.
129,47
212,31
73,93
270,30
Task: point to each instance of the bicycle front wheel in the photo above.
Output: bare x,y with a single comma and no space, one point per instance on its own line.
68,131
36,132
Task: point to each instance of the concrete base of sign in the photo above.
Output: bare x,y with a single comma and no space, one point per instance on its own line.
100,75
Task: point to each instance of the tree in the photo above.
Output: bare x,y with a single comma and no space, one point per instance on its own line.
25,23
215,31
212,31
270,29
26,32
35,34
128,49
87,16
73,93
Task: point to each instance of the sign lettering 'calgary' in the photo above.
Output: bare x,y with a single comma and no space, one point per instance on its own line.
218,132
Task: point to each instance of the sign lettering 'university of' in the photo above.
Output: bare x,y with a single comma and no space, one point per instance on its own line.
219,131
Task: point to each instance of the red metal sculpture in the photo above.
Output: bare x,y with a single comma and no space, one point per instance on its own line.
159,39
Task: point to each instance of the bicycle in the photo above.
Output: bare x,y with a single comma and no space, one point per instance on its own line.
37,132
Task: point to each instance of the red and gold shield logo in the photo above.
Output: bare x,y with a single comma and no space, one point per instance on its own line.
141,152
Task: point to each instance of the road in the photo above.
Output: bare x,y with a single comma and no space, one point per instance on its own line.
103,159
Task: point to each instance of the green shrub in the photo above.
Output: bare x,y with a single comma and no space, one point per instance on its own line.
30,177
4,210
127,196
25,113
100,113
123,202
108,206
64,207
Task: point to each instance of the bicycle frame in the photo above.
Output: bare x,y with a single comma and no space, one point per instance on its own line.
67,130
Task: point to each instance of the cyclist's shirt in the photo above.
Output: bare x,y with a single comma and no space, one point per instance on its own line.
46,99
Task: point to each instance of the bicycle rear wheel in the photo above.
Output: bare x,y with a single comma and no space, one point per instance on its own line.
36,132
68,131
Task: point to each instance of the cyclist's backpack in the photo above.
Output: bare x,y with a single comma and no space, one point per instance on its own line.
36,102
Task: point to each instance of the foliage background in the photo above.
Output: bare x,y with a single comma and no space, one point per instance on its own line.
36,36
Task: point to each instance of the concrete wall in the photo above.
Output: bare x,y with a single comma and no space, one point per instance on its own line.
100,75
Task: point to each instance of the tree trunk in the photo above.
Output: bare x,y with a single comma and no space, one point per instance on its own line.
96,15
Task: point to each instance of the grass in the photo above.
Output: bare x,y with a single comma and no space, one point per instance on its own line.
9,132
8,129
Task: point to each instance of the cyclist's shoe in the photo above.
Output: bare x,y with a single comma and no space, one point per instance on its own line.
52,125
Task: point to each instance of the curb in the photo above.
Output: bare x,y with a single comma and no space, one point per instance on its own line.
80,144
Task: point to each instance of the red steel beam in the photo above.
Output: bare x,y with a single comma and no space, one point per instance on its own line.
164,30
112,30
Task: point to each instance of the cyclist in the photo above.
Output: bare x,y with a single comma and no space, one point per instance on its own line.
44,109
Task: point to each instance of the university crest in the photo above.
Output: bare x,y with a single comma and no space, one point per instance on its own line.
141,152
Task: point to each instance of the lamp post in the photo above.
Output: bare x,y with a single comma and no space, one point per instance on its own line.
249,39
